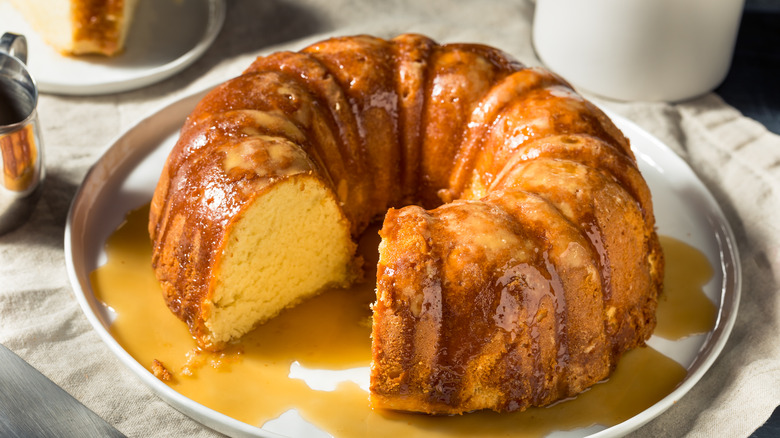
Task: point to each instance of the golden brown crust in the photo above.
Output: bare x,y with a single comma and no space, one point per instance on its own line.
99,26
363,67
541,268
458,75
97,20
411,53
159,371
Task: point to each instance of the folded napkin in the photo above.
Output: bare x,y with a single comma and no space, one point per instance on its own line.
737,158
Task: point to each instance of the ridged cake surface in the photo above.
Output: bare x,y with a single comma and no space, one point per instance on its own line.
519,258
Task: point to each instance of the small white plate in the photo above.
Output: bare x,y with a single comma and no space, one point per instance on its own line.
165,37
125,177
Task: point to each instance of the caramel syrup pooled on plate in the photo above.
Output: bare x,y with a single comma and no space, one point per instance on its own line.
682,309
255,381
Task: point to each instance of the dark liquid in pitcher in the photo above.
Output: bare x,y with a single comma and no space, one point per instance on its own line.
15,103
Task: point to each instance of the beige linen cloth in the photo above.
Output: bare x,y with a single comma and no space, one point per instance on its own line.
737,158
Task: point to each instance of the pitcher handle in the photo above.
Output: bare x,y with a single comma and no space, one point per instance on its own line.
15,45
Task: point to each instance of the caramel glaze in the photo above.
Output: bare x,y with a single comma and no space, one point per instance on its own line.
509,150
510,318
98,20
331,332
683,311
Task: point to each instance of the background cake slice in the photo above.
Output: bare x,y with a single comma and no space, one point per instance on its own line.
80,27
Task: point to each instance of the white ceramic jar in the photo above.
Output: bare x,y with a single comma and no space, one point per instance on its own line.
658,50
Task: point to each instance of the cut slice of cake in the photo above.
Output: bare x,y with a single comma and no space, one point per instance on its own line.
292,243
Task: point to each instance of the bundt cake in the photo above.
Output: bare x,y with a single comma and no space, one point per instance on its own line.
518,259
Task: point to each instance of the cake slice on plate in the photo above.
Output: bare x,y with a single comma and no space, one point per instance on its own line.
80,27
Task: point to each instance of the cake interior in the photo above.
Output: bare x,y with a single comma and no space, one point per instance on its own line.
286,247
50,18
78,27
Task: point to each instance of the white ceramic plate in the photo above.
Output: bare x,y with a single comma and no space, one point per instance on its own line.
165,37
125,177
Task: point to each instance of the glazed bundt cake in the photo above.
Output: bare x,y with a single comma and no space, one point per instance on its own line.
518,259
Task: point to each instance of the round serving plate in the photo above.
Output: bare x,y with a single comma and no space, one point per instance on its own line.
125,176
